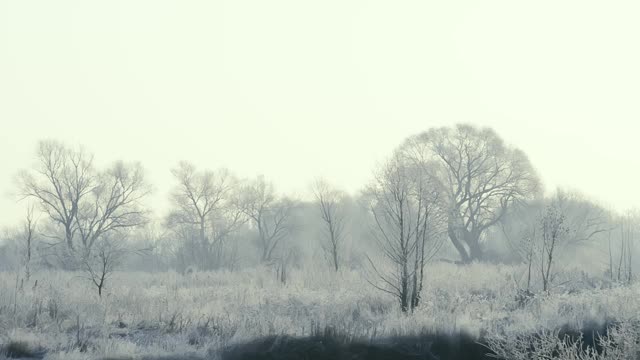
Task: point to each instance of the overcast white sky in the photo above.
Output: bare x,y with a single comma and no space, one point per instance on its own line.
297,89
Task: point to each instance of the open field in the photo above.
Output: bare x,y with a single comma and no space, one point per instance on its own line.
319,180
166,314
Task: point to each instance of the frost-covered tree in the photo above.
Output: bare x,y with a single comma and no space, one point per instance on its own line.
205,208
100,264
587,220
268,214
82,203
59,182
330,203
29,239
408,219
553,232
480,175
622,247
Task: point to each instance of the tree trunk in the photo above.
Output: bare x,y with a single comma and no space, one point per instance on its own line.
203,244
473,241
265,250
404,286
464,256
415,295
69,238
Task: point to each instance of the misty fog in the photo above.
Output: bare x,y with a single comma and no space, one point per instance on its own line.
335,180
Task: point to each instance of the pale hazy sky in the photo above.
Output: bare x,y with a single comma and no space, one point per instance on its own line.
298,89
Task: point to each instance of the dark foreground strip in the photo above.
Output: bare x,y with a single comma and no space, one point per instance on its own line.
321,348
425,346
334,347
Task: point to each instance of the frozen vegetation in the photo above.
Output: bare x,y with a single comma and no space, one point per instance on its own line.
453,250
198,314
319,180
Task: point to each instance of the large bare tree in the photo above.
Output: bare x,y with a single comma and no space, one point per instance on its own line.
115,203
481,177
61,179
408,223
269,214
206,201
330,204
80,201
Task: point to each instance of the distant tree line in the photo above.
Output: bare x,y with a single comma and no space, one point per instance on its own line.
457,193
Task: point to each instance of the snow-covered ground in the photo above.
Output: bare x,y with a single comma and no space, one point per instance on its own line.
62,317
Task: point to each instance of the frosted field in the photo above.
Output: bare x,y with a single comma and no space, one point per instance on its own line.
198,314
